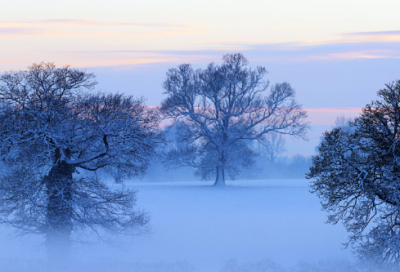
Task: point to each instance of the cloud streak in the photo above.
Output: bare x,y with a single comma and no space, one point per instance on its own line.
68,27
327,116
375,33
19,31
287,52
158,36
70,22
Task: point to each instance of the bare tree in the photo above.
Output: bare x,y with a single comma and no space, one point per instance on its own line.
272,146
344,123
221,106
203,158
356,174
52,126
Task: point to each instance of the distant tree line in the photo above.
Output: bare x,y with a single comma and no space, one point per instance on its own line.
263,160
281,168
262,168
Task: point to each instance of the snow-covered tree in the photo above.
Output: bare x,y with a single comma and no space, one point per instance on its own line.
51,127
357,177
223,105
202,157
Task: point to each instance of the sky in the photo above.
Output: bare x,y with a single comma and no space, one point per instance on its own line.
335,54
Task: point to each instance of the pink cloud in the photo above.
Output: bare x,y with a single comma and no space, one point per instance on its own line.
70,22
327,116
19,31
394,34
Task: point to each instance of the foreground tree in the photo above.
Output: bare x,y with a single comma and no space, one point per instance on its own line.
50,127
220,107
357,177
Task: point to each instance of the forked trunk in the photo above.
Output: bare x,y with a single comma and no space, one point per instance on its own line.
59,211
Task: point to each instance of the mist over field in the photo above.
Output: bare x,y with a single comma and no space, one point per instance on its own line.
119,174
251,225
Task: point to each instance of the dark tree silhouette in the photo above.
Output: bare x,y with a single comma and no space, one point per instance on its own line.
357,176
52,125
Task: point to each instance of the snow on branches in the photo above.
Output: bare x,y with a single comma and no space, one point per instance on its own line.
52,125
357,178
221,106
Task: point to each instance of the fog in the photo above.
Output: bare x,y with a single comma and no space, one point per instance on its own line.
265,220
251,225
281,168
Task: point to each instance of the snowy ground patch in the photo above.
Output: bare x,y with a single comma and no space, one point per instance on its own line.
194,223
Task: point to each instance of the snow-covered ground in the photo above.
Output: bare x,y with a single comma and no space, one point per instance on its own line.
194,223
247,221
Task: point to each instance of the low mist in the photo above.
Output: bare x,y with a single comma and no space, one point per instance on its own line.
262,169
250,225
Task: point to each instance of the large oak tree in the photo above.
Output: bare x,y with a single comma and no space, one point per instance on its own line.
223,107
52,126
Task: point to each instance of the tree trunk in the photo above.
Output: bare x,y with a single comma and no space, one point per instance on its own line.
59,211
220,180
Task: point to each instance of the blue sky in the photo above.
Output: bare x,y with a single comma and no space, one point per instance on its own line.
336,54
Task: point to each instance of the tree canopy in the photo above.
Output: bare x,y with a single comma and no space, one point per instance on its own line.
54,126
356,175
222,107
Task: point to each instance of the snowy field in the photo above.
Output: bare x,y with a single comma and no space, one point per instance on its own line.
195,227
250,221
